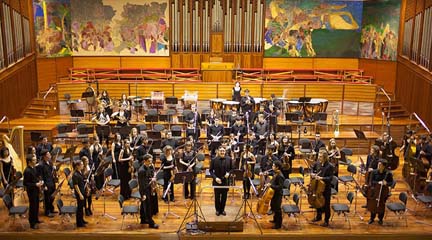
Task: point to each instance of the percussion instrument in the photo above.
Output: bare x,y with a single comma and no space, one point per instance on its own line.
294,106
312,107
217,103
259,102
189,99
228,105
323,104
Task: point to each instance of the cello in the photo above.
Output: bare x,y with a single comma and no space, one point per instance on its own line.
315,193
264,201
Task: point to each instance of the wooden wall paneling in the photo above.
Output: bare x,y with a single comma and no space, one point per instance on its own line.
97,62
228,57
46,73
420,6
257,60
337,63
292,63
196,60
237,60
246,60
331,92
15,5
24,4
410,9
145,62
145,89
176,60
186,60
216,42
296,90
255,89
383,72
360,93
75,90
428,3
205,57
115,90
224,90
205,91
62,67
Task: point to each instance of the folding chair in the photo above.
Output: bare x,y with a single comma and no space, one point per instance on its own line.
15,211
65,212
341,208
345,152
399,208
293,209
127,210
346,180
113,183
133,184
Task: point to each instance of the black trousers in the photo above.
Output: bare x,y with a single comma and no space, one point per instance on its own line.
247,184
192,186
146,211
125,177
326,207
80,212
88,201
154,204
380,215
275,206
220,199
33,196
48,201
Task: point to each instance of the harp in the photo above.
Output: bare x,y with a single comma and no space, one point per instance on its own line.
15,143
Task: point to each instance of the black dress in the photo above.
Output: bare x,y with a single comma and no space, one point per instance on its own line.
117,149
167,173
125,176
7,166
236,95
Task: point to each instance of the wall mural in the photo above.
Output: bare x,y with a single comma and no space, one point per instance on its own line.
126,28
52,20
312,28
380,31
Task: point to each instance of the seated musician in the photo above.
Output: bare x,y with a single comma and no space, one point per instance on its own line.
261,111
325,174
424,149
169,141
122,117
408,147
135,139
187,163
232,118
145,178
388,146
271,140
105,101
380,181
78,183
238,129
85,151
286,155
214,135
169,166
247,164
43,145
317,144
102,119
261,131
276,184
220,168
267,161
126,104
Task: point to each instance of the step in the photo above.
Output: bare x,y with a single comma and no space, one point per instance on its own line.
401,110
400,115
47,101
38,108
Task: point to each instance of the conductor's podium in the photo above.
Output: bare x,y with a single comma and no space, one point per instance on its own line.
217,71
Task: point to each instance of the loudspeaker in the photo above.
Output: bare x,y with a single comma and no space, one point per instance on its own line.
221,226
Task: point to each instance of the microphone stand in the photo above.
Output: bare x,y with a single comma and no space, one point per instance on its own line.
169,212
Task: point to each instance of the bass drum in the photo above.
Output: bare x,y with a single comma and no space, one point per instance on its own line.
91,96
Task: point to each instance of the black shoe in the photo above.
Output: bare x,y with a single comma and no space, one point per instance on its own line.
39,222
276,227
34,226
87,212
380,222
166,201
155,226
217,213
223,213
316,219
324,224
371,221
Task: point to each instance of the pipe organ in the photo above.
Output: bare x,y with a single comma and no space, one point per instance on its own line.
197,25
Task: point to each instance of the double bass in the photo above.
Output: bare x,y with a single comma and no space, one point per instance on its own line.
315,193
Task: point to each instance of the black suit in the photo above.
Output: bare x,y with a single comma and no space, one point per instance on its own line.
326,172
40,147
276,201
145,174
219,166
45,170
30,180
377,176
215,131
78,180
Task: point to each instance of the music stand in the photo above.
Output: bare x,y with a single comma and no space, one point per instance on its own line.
171,100
76,116
236,175
360,136
103,131
124,131
166,194
285,129
227,131
154,135
151,119
86,95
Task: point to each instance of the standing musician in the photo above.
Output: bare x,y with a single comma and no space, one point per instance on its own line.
211,118
194,118
33,185
271,140
6,167
122,117
220,168
267,162
46,171
388,146
272,115
317,144
424,149
380,178
286,155
85,151
168,161
116,147
232,118
78,183
247,103
102,119
236,92
96,153
87,173
214,134
135,139
277,185
126,104
372,158
105,101
238,129
247,164
235,148
334,157
44,144
261,131
325,174
169,141
125,169
188,162
145,148
251,140
145,177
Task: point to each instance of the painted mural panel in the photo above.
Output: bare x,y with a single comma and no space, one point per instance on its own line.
380,31
312,28
125,28
52,19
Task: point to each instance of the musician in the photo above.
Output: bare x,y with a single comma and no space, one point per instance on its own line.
236,92
247,164
187,163
251,140
168,161
407,141
124,169
85,151
372,158
247,102
145,177
78,183
235,148
267,161
211,118
232,118
126,104
122,117
271,140
286,155
380,178
238,129
424,149
31,150
96,153
261,131
194,118
220,167
145,148
214,134
87,169
46,171
33,185
44,144
169,141
272,115
388,146
135,139
317,144
102,119
277,185
105,101
6,167
116,147
260,111
325,174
